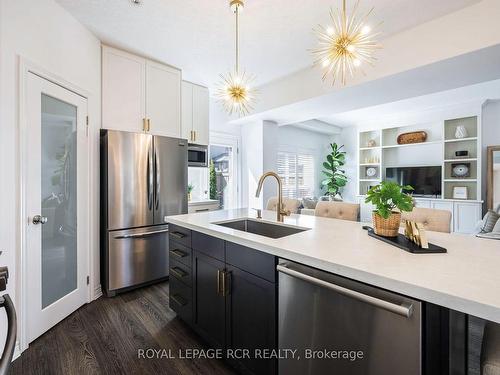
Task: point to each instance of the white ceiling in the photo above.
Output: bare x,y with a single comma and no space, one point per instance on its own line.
197,35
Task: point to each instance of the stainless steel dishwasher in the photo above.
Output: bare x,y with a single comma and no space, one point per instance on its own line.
330,320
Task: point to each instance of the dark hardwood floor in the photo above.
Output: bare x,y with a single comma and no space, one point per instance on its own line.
104,337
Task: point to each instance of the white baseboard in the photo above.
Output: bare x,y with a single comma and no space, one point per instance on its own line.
97,292
17,351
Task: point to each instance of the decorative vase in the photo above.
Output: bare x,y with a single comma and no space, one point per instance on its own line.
461,132
189,197
387,227
372,143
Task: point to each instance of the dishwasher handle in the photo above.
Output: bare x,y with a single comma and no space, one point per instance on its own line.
404,309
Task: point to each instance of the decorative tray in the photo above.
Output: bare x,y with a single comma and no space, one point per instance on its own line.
403,243
413,137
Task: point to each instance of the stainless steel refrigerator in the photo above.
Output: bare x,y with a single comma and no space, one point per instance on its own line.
143,179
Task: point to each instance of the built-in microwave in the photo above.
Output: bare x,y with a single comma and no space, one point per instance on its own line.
197,156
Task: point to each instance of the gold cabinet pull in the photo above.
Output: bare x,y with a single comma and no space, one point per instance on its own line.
194,132
226,283
218,282
144,125
149,124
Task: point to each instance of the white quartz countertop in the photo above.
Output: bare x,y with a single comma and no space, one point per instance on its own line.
466,279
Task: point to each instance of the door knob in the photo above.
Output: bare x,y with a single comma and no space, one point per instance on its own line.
39,219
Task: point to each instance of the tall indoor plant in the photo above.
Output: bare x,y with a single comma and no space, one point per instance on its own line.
387,197
335,176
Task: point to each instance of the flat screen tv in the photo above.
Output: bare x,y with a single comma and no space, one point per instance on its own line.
426,181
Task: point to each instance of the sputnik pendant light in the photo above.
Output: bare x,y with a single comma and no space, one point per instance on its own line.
346,44
235,92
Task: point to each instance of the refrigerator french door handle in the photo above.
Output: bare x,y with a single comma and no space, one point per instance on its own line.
403,309
148,189
150,178
158,183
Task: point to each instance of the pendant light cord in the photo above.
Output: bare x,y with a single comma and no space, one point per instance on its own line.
344,15
237,11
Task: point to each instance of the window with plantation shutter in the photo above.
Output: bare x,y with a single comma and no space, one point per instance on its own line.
297,171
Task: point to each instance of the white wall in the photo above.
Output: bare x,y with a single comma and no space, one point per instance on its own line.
271,141
219,120
317,144
252,163
490,136
349,138
260,143
44,33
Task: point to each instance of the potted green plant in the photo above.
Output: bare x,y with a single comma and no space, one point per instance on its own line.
387,197
190,189
335,176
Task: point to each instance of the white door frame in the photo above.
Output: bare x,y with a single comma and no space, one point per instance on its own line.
26,67
224,138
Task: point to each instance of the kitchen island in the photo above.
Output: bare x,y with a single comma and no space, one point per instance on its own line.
236,278
465,279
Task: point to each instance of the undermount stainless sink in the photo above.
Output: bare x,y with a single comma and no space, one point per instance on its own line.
262,228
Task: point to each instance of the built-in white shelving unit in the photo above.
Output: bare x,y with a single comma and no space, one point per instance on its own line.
379,149
471,144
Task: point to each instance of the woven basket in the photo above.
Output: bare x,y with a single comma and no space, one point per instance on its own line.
386,227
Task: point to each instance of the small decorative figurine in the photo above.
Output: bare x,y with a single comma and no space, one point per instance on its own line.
460,170
461,132
415,232
371,172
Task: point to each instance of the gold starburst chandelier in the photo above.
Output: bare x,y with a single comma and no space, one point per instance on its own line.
235,91
346,44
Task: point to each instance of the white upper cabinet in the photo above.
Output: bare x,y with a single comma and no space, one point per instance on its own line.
123,85
163,99
140,95
195,113
200,114
187,111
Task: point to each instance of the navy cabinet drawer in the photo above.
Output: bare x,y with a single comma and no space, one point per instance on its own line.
211,246
253,261
181,299
179,234
180,253
181,272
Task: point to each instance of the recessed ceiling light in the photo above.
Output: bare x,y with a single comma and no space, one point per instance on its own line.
136,2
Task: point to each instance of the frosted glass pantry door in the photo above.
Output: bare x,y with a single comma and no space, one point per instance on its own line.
56,166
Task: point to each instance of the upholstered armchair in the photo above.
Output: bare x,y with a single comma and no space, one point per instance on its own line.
432,219
289,204
337,210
